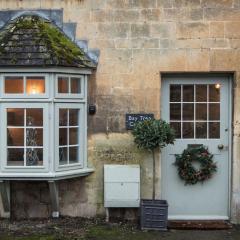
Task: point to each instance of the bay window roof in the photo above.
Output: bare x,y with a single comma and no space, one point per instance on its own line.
34,41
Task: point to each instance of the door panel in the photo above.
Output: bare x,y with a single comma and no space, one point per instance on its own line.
198,109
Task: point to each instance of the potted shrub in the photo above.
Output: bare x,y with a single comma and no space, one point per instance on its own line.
152,135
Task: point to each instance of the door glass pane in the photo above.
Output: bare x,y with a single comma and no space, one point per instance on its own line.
35,85
15,156
15,136
201,111
214,130
34,156
15,117
63,117
75,85
73,117
63,159
214,93
73,154
34,137
73,136
201,93
214,111
175,93
13,85
188,93
177,128
34,116
175,111
63,85
63,136
188,130
188,111
201,130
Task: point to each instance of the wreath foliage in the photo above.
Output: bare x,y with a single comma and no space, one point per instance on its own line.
188,172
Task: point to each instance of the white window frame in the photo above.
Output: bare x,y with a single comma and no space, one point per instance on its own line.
70,95
24,94
3,139
82,135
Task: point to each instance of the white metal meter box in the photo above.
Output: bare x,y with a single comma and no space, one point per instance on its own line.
121,186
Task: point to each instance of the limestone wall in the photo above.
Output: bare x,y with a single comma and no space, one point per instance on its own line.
138,40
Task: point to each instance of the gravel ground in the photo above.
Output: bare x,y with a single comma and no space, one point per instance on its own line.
97,229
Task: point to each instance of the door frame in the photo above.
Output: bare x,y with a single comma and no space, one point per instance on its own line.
230,78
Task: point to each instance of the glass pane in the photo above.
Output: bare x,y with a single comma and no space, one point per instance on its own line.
34,117
63,117
188,130
175,93
63,156
201,93
201,130
214,93
75,85
175,111
214,111
63,136
34,156
201,111
188,93
15,117
214,130
13,84
177,127
73,154
34,137
188,111
73,136
73,117
15,156
63,85
35,85
15,137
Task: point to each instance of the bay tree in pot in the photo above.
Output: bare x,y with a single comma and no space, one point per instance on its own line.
153,135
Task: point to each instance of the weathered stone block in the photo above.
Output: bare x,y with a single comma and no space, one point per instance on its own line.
217,3
163,30
198,60
150,14
232,29
145,43
140,30
187,3
113,30
125,15
216,29
165,3
221,14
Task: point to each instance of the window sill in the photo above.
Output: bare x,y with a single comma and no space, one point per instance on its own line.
46,176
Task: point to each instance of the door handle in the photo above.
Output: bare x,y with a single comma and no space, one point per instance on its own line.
220,146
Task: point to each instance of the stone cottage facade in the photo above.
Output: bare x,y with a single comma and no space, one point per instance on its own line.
141,43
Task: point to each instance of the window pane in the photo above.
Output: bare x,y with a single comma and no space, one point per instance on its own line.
63,136
214,93
63,117
201,93
75,85
13,84
73,117
35,85
201,111
73,154
214,130
175,111
177,127
188,93
34,137
63,85
188,130
34,156
73,136
34,117
175,93
188,111
63,156
15,156
15,117
15,137
201,130
214,111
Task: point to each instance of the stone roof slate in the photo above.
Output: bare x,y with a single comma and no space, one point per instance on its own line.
36,42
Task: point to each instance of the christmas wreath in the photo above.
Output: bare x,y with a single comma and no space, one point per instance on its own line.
188,172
